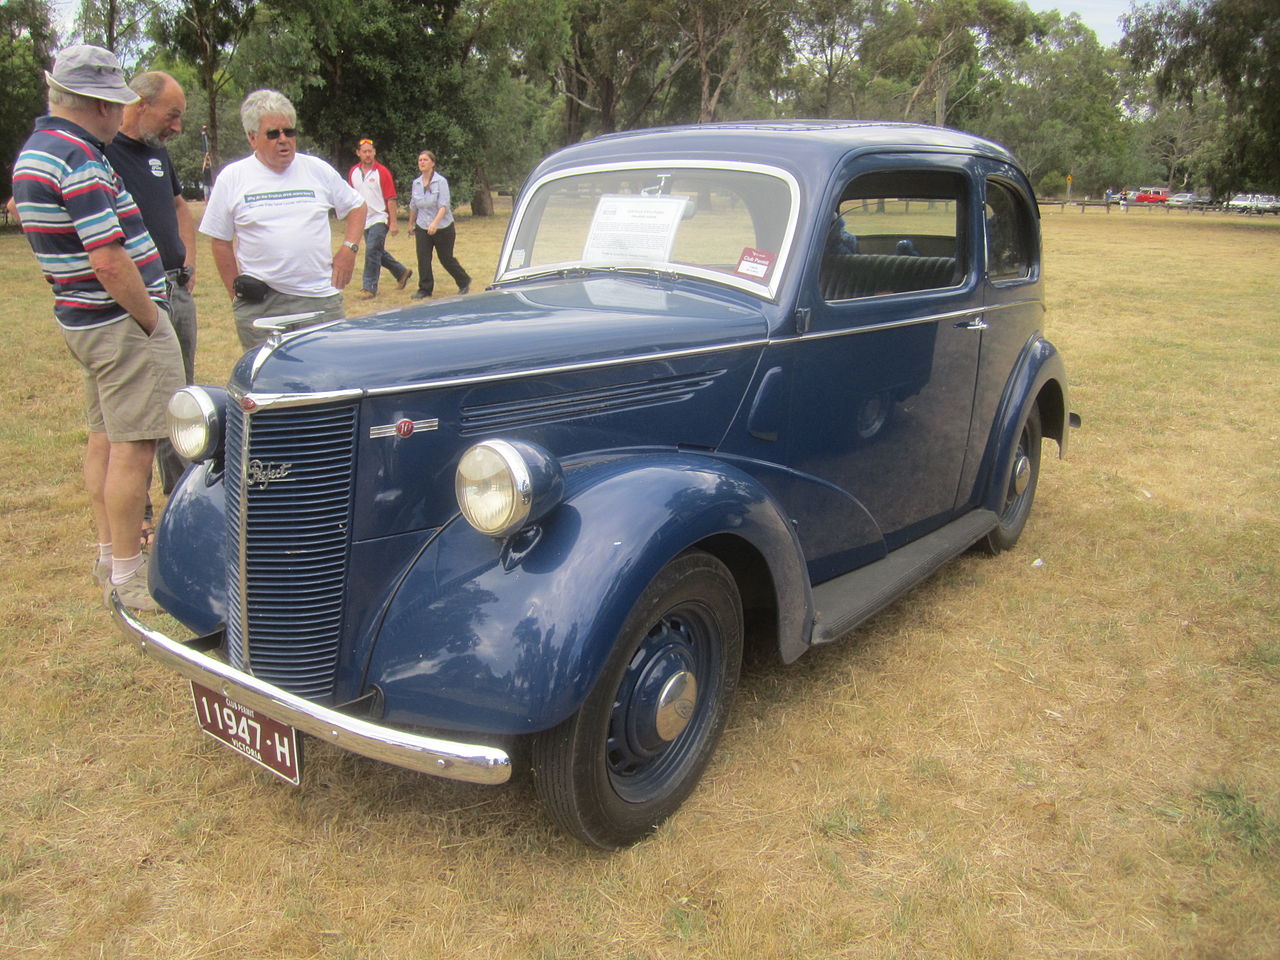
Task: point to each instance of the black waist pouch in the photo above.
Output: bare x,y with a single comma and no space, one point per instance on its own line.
250,289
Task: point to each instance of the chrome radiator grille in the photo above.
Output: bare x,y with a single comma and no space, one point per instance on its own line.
289,480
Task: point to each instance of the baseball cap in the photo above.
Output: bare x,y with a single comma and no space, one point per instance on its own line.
91,72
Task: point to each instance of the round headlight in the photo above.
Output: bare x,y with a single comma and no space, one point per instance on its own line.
502,485
493,487
195,422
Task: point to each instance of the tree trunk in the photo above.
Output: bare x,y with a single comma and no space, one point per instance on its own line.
482,198
211,91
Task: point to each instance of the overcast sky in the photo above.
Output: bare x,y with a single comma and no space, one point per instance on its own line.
1099,15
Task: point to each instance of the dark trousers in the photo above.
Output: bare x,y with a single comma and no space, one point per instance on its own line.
182,310
442,243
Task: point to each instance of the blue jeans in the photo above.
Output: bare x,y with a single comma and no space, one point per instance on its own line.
376,257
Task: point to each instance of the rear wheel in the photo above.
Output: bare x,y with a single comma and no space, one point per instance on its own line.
637,746
1021,489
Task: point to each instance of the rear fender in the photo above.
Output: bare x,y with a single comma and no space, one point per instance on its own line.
509,637
1039,378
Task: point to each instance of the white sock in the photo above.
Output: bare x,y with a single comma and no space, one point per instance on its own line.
104,552
123,570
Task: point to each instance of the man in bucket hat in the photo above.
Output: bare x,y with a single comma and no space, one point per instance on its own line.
108,298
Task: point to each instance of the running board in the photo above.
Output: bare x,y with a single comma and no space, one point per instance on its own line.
846,601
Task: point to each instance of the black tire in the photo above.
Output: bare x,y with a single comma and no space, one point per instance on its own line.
1020,488
636,748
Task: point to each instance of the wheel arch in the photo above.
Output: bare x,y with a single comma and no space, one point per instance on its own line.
1039,379
472,641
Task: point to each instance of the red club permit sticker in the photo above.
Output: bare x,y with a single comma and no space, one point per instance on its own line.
755,263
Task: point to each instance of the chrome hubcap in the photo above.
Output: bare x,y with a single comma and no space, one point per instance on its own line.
675,705
1021,474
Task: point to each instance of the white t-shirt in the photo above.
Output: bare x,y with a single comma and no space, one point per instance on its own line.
375,186
280,221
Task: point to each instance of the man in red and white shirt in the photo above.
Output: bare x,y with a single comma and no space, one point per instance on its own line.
373,182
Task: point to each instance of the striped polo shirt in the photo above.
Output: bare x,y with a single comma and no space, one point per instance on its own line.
71,202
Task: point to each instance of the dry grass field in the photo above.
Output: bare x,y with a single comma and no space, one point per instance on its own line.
1068,751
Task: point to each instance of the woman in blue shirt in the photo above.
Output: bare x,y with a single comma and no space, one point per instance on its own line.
431,222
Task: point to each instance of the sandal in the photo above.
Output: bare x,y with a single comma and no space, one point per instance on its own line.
148,527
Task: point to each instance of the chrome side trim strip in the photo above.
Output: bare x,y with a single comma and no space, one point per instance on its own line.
914,321
567,368
280,400
472,763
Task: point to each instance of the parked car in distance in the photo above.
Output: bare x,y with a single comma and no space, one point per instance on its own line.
1188,200
1264,203
734,385
1151,195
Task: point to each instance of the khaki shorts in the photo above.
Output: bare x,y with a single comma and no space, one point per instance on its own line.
128,377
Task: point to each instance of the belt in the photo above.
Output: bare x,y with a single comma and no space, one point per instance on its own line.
179,277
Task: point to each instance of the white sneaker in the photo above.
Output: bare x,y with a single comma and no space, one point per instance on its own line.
134,592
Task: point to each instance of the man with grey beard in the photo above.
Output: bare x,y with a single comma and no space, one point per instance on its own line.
139,156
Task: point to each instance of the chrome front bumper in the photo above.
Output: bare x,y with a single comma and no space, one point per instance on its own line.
471,763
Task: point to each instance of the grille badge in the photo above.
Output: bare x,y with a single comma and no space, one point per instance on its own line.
403,428
260,474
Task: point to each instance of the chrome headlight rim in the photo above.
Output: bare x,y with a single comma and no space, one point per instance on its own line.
519,479
535,478
207,416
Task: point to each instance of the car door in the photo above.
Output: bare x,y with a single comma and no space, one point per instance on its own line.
883,376
1012,294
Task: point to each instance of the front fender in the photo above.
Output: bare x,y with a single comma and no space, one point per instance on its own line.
188,564
479,639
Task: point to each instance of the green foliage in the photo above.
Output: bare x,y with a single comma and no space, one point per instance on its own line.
493,86
205,34
1229,46
27,40
1055,103
118,25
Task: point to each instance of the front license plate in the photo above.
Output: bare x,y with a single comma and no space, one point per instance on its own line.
267,742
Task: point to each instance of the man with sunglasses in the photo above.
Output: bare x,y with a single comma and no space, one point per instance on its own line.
274,204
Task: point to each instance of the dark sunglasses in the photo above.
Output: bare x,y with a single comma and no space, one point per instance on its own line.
274,134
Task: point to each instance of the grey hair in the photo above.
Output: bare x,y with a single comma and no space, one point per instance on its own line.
262,103
71,101
151,84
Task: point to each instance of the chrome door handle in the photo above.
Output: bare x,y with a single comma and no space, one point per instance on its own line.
977,323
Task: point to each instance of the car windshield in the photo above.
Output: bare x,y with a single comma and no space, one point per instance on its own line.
729,223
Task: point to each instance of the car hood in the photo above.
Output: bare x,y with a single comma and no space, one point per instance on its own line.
534,327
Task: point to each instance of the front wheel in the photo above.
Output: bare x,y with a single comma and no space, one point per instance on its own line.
637,746
1021,488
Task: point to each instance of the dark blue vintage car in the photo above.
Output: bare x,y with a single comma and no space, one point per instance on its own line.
733,384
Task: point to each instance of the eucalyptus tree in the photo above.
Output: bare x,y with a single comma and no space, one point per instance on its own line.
1228,46
205,34
1056,103
119,25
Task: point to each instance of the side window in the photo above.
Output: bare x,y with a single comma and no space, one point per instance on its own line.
1009,248
895,232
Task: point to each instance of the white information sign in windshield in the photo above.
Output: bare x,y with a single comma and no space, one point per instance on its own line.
630,228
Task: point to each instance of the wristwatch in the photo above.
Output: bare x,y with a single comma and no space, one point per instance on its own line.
353,247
